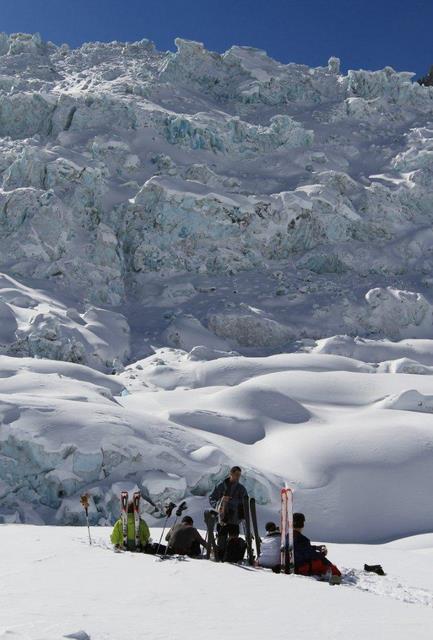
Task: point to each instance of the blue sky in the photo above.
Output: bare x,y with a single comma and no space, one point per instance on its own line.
363,33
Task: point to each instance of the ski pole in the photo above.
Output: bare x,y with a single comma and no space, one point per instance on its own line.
181,508
168,511
84,500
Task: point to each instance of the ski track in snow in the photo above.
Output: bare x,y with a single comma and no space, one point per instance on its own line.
387,586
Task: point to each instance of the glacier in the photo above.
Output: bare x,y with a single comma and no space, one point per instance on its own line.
188,241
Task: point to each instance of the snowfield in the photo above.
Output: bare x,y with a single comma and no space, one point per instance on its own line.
205,260
57,586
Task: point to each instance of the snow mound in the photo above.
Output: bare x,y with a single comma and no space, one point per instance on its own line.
64,431
172,426
402,354
171,368
243,414
410,400
188,334
35,324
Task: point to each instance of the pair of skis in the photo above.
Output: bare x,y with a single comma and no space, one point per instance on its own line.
287,543
251,529
124,501
287,554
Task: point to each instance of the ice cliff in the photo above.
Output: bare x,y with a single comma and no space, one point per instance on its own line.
131,176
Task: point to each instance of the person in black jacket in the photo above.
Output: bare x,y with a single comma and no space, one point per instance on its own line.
235,546
184,539
228,499
310,560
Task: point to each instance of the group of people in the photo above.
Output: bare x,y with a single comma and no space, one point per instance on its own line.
227,499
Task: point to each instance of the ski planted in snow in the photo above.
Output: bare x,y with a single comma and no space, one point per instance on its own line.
211,518
124,517
255,525
248,537
287,558
84,501
136,502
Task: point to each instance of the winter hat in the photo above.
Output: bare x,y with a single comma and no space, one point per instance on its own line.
187,520
298,520
270,527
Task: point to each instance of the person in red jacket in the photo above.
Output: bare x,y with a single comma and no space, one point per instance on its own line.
310,560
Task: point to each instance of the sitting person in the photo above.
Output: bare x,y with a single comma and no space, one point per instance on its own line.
184,539
117,533
270,552
235,546
310,560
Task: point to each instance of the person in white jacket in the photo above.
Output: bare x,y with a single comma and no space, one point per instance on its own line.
270,553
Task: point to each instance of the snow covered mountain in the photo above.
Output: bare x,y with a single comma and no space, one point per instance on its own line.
213,258
266,200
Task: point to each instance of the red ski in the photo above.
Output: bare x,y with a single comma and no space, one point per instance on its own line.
287,558
136,501
124,517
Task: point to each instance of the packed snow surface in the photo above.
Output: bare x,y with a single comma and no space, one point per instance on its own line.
55,586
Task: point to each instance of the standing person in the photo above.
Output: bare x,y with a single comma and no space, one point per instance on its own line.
310,560
117,533
228,499
235,546
184,539
270,551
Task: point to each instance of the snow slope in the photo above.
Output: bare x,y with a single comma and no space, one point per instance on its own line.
56,586
355,443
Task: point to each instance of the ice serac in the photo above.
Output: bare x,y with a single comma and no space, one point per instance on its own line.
35,324
121,165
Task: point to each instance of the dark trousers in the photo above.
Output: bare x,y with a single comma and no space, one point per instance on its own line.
222,535
194,551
